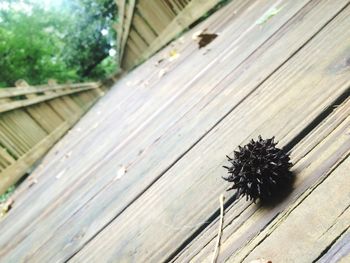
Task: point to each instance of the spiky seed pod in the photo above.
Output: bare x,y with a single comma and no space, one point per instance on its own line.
259,169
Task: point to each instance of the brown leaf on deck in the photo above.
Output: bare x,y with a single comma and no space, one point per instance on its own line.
205,39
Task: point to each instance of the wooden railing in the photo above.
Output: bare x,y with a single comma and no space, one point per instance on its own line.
32,119
145,26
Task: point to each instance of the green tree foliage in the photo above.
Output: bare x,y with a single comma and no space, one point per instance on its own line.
92,34
31,48
68,42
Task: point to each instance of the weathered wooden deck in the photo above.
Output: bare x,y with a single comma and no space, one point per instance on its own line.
138,179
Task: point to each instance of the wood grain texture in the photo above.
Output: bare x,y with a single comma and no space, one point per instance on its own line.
129,11
64,158
147,123
150,228
192,12
141,26
338,251
309,225
314,157
119,26
146,164
12,92
133,89
24,103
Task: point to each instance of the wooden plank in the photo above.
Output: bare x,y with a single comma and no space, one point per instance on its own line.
24,103
319,152
134,48
65,107
127,103
216,21
5,159
150,16
45,116
129,57
153,224
138,76
6,156
42,113
12,92
8,133
339,251
175,6
84,99
119,25
166,9
141,26
156,8
179,3
8,143
169,7
24,127
129,11
111,173
326,208
139,42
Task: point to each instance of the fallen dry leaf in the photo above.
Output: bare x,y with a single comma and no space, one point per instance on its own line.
205,39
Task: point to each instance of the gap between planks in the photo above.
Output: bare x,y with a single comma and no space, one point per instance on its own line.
114,224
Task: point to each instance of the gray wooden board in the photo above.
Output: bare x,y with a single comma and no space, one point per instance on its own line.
158,221
128,95
61,168
339,250
320,216
313,158
63,207
79,155
132,92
